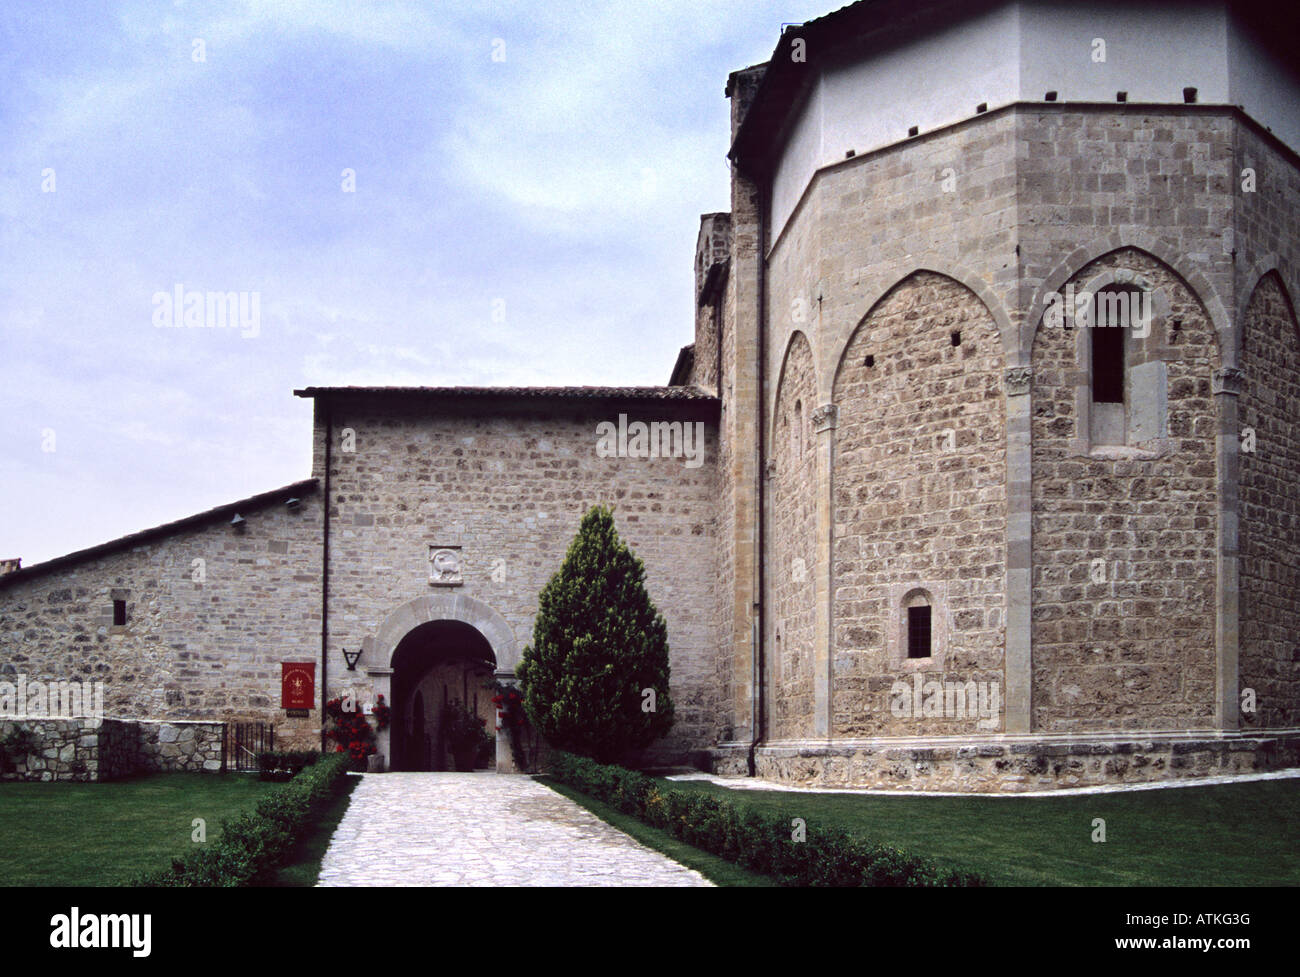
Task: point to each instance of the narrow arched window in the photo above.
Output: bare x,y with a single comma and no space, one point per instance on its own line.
919,632
1116,309
1112,317
920,626
1107,366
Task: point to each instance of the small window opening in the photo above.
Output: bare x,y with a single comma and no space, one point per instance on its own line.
869,361
1108,365
119,613
918,631
956,338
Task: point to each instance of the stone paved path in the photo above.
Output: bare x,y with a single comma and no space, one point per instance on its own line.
483,829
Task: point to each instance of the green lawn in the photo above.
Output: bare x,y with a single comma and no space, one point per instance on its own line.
106,833
1232,834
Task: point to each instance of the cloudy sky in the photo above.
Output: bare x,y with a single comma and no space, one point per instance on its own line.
528,179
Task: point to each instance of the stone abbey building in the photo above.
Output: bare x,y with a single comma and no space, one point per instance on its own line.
981,473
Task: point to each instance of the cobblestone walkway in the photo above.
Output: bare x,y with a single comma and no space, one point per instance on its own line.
483,829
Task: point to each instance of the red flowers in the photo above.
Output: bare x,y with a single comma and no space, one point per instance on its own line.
512,720
350,730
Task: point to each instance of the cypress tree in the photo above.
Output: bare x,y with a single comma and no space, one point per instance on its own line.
598,645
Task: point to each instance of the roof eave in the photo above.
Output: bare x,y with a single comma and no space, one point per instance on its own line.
207,517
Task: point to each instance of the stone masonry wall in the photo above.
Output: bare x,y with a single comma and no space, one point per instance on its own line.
181,746
510,485
65,749
726,516
1136,650
92,749
1014,203
738,440
793,485
982,765
119,749
919,505
1270,511
712,248
203,640
868,223
899,228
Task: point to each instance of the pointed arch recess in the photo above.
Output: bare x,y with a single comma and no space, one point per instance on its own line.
890,279
798,340
1193,279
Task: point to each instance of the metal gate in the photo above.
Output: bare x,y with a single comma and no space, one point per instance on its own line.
244,741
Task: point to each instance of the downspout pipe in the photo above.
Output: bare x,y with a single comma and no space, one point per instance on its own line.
325,573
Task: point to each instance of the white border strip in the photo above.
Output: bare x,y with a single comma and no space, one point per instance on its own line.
755,783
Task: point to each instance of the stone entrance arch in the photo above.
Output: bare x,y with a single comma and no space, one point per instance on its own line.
377,650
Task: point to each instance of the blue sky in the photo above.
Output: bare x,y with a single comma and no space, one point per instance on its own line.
558,184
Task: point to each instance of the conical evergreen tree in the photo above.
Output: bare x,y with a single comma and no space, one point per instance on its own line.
598,645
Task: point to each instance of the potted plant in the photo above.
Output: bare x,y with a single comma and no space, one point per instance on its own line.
464,733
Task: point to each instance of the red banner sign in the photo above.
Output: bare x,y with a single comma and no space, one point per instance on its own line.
297,685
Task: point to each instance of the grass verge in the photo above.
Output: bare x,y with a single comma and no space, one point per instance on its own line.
302,865
790,850
717,870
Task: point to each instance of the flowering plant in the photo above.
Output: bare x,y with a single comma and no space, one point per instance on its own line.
514,723
351,731
382,713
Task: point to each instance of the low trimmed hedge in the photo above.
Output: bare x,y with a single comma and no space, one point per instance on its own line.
284,764
756,840
252,845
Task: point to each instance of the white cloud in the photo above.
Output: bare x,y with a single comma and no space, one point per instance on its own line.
523,181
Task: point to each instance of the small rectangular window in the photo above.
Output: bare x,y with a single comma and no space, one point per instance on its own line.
1107,364
918,632
119,613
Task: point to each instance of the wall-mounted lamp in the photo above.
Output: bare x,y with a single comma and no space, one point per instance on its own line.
237,523
293,503
352,657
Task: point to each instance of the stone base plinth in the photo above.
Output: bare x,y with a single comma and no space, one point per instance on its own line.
1011,764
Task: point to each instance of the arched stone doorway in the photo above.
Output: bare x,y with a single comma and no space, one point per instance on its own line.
440,668
378,651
